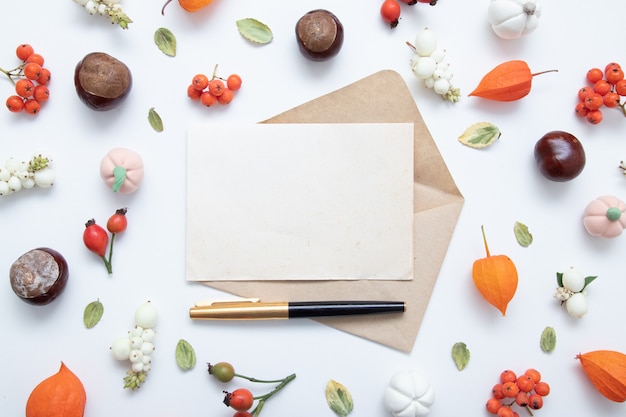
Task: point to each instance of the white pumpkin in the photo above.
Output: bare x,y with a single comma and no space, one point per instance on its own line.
512,19
408,394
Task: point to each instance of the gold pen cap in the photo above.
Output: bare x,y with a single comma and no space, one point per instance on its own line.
246,309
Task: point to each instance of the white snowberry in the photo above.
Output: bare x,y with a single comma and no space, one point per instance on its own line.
425,42
121,349
577,305
573,279
146,315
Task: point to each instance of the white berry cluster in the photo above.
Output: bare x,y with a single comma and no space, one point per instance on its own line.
573,292
137,347
428,64
110,8
16,175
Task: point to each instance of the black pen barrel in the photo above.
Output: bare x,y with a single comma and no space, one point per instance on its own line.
308,309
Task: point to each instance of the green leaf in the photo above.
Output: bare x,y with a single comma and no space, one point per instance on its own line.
523,236
155,120
93,313
461,355
548,340
255,31
559,279
480,135
589,280
339,398
166,41
185,355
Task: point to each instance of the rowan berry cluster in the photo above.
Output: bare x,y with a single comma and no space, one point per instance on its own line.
30,79
214,90
606,89
526,391
242,399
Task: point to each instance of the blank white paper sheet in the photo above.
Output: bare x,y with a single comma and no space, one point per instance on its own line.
300,202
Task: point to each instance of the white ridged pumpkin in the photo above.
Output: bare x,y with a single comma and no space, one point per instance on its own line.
408,394
512,19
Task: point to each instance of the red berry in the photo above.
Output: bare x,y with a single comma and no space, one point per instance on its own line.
36,58
233,82
41,93
95,238
15,103
508,376
240,399
542,388
208,99
118,222
44,78
390,12
24,88
193,93
594,116
32,106
23,51
32,71
535,401
581,110
594,75
611,99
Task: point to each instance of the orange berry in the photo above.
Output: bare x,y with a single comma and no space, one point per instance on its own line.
602,87
193,93
522,399
510,389
508,376
534,374
535,401
584,92
496,391
593,101
216,87
200,82
525,383
41,93
233,82
208,99
611,65
23,51
32,71
542,388
614,75
44,78
611,99
226,96
505,411
581,110
15,104
594,75
32,106
493,405
620,87
24,88
594,116
36,58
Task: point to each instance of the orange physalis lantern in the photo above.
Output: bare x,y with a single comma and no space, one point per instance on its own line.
495,278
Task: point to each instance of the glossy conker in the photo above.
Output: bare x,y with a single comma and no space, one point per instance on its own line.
560,156
102,81
319,34
39,275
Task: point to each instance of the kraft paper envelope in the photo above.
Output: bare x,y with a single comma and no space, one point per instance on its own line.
379,98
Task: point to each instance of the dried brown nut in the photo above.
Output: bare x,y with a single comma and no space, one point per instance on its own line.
560,156
319,34
39,275
102,82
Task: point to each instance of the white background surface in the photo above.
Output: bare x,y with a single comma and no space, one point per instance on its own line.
500,184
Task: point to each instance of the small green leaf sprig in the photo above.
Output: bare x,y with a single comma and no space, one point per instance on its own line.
225,372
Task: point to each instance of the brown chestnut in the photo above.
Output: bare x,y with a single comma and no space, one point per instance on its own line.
560,156
102,82
319,34
39,276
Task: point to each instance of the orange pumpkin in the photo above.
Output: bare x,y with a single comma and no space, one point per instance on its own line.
605,217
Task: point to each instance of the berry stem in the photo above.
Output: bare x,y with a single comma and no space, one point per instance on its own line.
262,398
262,381
15,72
109,262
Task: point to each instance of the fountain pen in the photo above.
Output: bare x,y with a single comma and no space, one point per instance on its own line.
254,309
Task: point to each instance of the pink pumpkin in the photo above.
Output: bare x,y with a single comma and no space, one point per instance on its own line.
122,170
605,217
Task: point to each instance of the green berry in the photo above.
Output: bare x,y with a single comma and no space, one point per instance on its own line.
223,371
